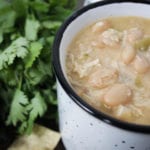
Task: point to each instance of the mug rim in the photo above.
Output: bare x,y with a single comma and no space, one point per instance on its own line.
68,89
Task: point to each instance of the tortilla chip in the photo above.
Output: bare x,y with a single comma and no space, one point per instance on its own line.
40,139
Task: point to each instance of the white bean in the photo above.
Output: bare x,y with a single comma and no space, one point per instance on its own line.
118,94
134,34
141,64
100,26
128,54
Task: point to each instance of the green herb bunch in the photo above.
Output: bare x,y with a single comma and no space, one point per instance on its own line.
27,83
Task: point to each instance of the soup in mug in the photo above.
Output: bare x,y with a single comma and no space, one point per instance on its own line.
108,65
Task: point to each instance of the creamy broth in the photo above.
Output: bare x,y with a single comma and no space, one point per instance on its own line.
108,65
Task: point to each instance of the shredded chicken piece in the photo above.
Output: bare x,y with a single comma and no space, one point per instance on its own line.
83,69
111,37
84,51
103,77
136,111
127,113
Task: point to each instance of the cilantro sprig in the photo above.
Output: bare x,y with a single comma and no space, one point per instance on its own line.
27,83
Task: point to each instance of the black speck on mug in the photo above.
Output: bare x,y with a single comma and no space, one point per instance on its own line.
132,147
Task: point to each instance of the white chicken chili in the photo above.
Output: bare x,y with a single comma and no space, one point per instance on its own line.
108,65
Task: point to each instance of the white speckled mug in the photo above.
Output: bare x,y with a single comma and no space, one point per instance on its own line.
81,126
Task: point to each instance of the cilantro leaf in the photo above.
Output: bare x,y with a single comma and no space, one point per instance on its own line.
21,46
34,76
18,108
27,31
37,108
34,51
31,28
18,48
7,16
52,24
